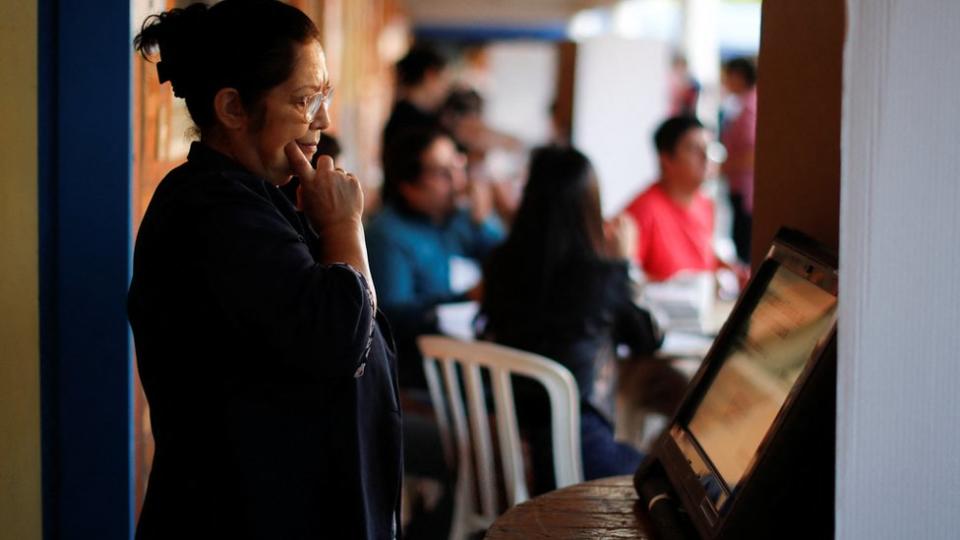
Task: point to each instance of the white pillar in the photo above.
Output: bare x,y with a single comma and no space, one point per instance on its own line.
898,467
701,45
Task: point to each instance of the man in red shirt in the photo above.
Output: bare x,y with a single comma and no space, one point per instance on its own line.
674,219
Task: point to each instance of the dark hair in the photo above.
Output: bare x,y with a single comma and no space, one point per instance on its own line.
413,67
461,102
744,67
402,159
671,131
559,223
243,44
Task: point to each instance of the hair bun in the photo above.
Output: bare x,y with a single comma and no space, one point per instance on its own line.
179,34
166,71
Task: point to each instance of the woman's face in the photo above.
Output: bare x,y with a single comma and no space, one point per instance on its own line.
284,114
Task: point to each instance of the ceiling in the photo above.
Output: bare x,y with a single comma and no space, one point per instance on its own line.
504,12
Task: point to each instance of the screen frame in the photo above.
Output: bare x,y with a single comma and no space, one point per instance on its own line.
799,256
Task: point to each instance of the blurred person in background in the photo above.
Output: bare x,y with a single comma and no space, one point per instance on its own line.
425,248
674,218
559,287
461,116
738,133
684,89
423,81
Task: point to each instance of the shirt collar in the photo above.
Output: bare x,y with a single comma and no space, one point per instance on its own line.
206,157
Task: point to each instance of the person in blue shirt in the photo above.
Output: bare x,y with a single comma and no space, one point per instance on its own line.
427,242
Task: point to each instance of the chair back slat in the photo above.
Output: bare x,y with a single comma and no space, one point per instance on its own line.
457,414
465,428
565,421
509,436
435,386
480,429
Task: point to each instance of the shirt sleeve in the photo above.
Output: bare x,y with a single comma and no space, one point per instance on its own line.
317,318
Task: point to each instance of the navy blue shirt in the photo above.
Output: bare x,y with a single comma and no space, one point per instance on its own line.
272,389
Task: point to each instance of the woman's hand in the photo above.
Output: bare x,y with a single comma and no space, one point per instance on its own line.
332,200
328,196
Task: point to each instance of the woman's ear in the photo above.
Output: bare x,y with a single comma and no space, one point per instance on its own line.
228,107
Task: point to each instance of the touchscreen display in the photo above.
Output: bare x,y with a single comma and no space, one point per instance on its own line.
765,358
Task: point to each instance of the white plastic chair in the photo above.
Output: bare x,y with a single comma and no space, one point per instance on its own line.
441,352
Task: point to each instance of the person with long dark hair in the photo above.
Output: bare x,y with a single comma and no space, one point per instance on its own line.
272,390
559,287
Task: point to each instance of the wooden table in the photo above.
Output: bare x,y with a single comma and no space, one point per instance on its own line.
605,508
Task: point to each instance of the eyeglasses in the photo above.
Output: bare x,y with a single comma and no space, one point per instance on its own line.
448,173
314,102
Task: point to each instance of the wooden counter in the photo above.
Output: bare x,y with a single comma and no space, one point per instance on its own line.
605,508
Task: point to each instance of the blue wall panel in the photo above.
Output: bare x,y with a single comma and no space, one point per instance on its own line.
86,159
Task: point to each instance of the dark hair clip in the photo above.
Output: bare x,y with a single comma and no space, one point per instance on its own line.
163,72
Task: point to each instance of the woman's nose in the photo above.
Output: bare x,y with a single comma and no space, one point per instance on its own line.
321,120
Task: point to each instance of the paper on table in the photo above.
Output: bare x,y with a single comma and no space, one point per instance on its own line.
456,319
464,273
686,299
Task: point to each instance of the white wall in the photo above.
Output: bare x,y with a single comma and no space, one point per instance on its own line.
620,98
522,85
898,425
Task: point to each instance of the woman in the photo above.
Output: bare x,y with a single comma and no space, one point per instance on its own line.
559,287
271,388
